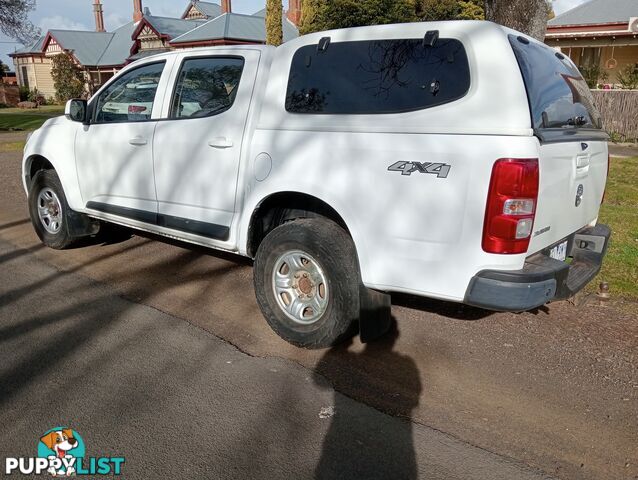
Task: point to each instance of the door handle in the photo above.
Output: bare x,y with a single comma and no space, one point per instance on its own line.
138,141
221,142
582,161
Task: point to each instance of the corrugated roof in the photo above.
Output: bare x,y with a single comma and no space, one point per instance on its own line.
598,11
35,47
148,53
209,9
235,26
260,13
173,27
87,47
119,49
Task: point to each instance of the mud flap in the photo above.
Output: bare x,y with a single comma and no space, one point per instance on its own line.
81,225
376,314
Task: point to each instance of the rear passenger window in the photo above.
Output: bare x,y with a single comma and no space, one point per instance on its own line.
375,77
206,86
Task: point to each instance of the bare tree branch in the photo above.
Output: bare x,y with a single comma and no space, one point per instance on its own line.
14,21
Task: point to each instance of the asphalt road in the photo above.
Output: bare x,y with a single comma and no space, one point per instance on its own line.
134,336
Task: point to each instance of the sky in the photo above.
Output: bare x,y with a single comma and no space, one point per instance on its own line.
78,14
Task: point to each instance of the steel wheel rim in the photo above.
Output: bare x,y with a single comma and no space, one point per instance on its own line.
300,287
50,210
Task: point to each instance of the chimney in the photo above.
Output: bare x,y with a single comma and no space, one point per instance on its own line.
137,10
294,12
226,6
99,16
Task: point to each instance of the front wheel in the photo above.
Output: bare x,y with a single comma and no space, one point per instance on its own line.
307,282
49,211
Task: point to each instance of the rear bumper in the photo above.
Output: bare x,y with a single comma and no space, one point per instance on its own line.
542,279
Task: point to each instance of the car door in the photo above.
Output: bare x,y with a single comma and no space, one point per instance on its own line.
197,151
114,153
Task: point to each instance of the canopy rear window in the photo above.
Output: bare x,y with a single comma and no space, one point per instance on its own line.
558,95
377,76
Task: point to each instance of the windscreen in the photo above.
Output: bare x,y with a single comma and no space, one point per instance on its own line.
558,95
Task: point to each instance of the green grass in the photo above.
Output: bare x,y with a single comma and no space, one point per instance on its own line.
11,146
620,212
17,119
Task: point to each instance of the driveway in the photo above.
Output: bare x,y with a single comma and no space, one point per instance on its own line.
554,390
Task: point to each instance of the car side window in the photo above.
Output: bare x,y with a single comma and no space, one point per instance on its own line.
206,86
131,97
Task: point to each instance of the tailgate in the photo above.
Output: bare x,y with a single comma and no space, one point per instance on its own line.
572,144
572,183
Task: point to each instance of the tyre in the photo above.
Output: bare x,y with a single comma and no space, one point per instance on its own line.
49,211
307,282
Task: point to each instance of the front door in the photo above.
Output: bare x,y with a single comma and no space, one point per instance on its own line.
197,151
114,154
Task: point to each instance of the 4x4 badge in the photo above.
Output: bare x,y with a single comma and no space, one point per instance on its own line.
441,170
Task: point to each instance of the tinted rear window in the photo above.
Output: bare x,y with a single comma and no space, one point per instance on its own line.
375,77
558,95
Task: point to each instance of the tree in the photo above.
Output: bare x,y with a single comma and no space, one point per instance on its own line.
320,15
434,10
274,28
4,69
471,10
14,22
527,16
310,11
68,79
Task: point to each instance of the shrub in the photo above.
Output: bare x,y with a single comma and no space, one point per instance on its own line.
628,77
36,97
593,75
24,94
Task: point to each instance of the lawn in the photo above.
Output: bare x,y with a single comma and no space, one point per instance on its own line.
620,212
17,119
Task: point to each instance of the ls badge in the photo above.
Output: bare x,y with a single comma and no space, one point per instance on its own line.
579,194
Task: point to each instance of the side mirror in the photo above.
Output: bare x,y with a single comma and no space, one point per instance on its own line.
76,110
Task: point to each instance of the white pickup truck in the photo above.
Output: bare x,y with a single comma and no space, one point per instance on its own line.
456,160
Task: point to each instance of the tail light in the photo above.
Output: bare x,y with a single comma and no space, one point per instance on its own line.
511,206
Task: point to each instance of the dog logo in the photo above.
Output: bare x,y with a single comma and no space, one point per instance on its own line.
61,453
64,444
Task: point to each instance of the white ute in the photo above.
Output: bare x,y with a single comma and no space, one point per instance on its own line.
456,160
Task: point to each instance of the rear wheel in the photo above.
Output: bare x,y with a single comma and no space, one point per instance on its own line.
49,211
307,282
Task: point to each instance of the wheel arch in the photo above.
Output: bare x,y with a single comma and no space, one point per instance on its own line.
280,207
66,173
35,163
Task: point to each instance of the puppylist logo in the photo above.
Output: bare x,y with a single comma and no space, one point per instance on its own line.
61,453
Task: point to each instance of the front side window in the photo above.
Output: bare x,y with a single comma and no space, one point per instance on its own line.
376,77
206,86
131,97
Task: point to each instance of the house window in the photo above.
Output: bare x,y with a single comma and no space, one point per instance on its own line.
25,78
590,57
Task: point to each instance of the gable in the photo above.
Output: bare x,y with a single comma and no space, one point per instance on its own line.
194,14
53,47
